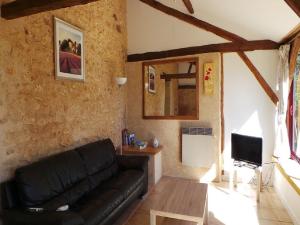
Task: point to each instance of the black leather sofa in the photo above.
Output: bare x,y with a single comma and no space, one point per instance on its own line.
95,183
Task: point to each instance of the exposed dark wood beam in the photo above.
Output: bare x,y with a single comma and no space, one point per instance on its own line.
259,77
189,6
22,8
224,47
194,21
190,67
187,86
178,76
295,6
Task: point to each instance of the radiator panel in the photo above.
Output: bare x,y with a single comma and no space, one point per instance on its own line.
197,147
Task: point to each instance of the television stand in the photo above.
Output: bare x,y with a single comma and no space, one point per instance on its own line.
258,172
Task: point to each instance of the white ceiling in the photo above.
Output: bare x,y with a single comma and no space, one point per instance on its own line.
151,30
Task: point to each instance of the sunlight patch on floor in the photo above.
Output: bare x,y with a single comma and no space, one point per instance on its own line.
236,206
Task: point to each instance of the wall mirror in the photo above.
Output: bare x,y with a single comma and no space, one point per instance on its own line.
171,89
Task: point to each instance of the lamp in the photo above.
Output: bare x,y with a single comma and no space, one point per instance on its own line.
121,81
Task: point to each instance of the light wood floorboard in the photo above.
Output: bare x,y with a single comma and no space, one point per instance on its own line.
227,206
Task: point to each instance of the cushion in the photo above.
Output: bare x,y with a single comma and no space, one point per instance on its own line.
103,175
69,197
100,160
98,155
125,182
98,204
48,178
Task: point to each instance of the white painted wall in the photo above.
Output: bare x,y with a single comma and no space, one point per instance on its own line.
247,108
152,30
289,197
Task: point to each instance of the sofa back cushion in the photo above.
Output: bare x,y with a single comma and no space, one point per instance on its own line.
41,181
100,160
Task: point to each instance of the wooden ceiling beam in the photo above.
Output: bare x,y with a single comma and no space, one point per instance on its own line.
22,8
259,78
224,47
194,21
187,86
189,6
294,5
291,36
178,76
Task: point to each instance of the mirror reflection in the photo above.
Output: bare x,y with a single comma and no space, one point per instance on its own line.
170,89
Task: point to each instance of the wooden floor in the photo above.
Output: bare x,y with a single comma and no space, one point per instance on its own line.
227,206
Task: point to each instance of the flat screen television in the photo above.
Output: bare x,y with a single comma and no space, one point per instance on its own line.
246,149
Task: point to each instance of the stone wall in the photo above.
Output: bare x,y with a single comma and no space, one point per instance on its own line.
168,131
39,115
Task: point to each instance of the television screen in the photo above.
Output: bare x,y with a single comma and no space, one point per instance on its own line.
247,149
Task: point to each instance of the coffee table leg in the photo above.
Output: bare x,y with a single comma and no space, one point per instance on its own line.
258,190
234,177
152,218
206,212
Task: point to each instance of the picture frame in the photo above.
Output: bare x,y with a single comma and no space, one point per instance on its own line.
151,79
209,79
69,51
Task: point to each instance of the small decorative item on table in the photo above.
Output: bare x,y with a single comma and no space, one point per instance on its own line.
141,144
128,138
155,143
131,139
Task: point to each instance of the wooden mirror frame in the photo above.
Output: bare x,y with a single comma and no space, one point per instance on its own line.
156,62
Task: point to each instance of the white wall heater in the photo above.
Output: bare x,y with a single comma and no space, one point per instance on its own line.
197,147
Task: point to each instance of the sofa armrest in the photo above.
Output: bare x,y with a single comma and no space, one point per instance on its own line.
133,162
21,217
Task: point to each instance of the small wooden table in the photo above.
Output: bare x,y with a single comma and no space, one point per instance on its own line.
155,166
181,199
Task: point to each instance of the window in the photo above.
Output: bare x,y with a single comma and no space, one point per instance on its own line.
293,116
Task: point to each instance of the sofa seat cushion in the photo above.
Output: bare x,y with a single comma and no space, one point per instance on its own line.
69,197
125,182
103,175
98,204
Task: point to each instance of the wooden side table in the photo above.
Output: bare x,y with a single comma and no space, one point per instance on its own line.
154,165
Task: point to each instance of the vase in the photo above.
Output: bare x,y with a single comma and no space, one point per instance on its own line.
155,143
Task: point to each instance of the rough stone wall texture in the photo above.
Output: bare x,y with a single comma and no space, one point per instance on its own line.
155,102
168,131
39,115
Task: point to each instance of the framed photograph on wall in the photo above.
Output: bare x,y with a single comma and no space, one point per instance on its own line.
69,51
151,79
